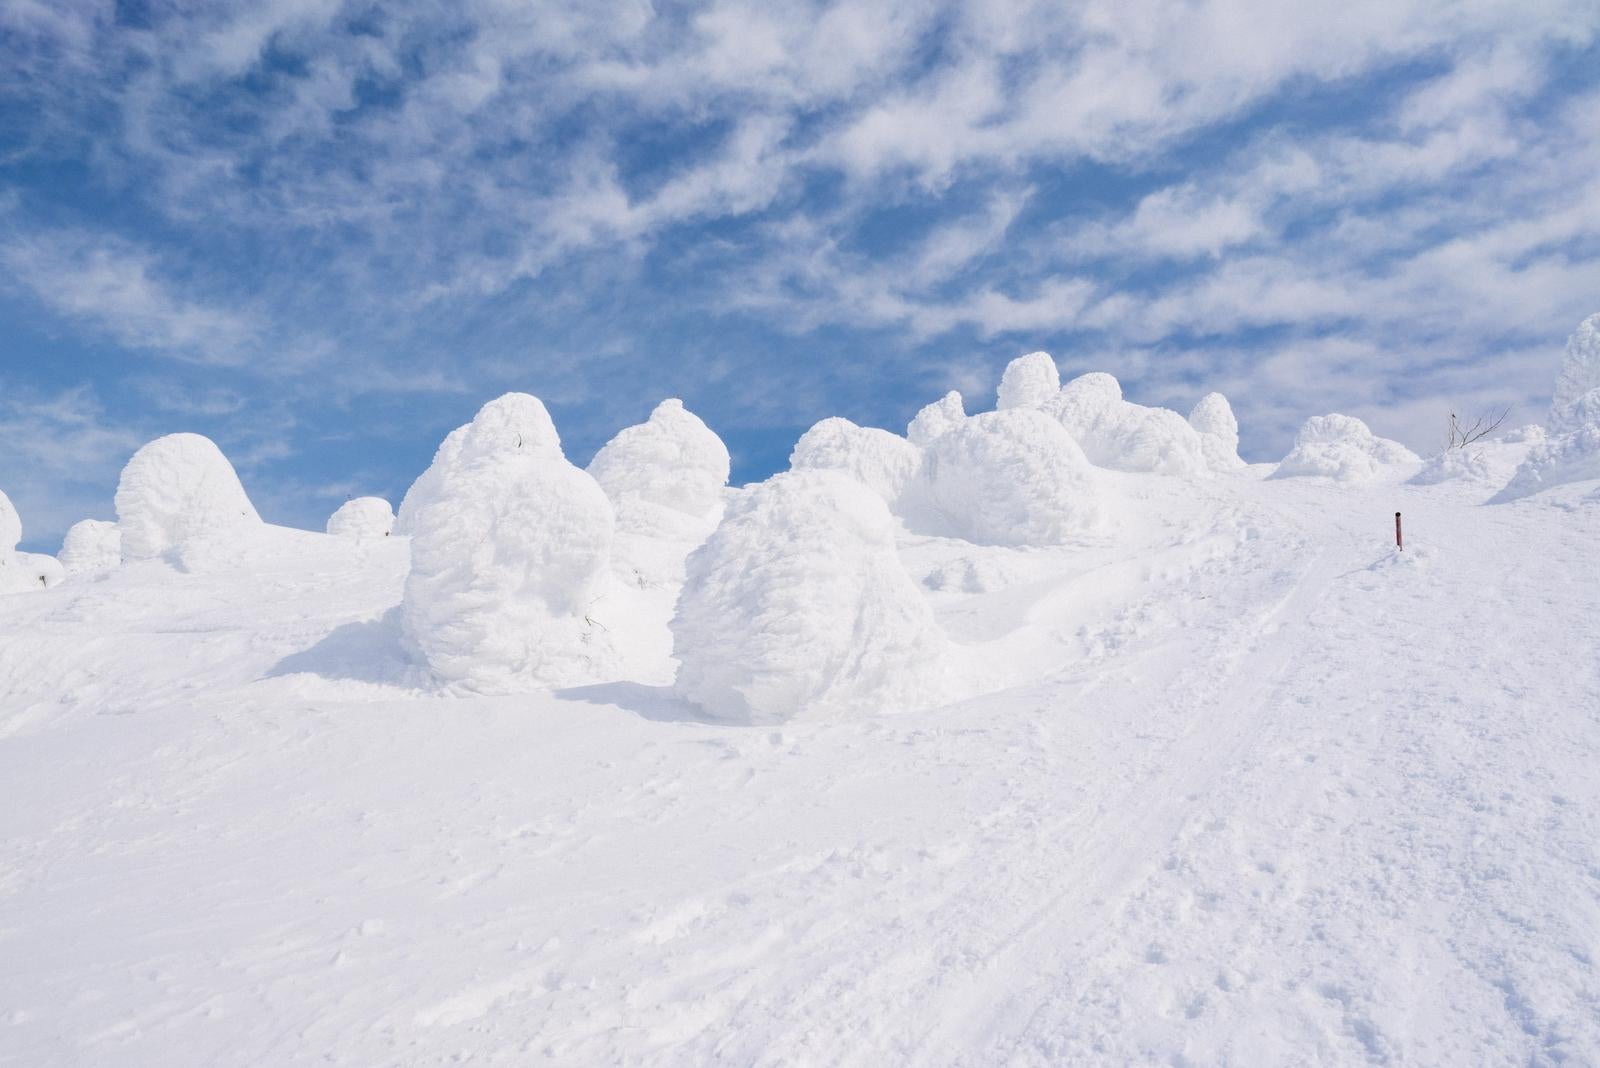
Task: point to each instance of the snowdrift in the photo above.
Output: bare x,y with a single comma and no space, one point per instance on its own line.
362,519
510,549
91,545
798,606
180,499
1342,448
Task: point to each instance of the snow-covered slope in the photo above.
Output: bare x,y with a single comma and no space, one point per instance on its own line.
1244,786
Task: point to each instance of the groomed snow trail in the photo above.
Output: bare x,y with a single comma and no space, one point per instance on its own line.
1256,790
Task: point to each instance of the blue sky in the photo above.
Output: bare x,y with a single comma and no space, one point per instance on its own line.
324,233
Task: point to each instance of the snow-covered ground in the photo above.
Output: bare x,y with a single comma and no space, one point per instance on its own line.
1255,789
1212,774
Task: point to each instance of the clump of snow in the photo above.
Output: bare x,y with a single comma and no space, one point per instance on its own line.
1214,421
362,519
883,462
1576,402
1029,381
1468,464
510,552
179,496
672,461
91,545
1570,457
1118,434
1010,478
798,606
1343,448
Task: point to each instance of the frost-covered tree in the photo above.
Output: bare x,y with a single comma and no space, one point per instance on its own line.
1028,382
91,545
1214,421
1118,434
362,519
1576,402
798,606
179,498
942,415
1343,448
510,551
883,462
1013,477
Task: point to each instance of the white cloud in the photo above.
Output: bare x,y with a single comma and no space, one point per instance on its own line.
118,289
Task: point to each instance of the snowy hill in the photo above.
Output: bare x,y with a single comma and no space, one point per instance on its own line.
1213,774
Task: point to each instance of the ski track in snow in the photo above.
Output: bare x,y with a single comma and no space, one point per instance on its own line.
1254,789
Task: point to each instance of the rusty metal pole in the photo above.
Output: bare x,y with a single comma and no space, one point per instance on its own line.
1399,540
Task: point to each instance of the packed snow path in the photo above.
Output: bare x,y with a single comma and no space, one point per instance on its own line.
1251,788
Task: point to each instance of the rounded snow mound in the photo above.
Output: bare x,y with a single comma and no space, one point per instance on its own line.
1028,382
883,462
943,415
362,518
510,552
1124,436
1214,421
1454,465
1570,457
672,460
1010,478
798,606
1341,447
91,545
1576,402
177,495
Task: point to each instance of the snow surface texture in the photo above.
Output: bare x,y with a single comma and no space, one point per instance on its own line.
1258,790
179,499
91,545
943,415
883,462
1576,402
510,551
1214,421
1342,448
1012,477
1029,382
362,519
798,606
1117,434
